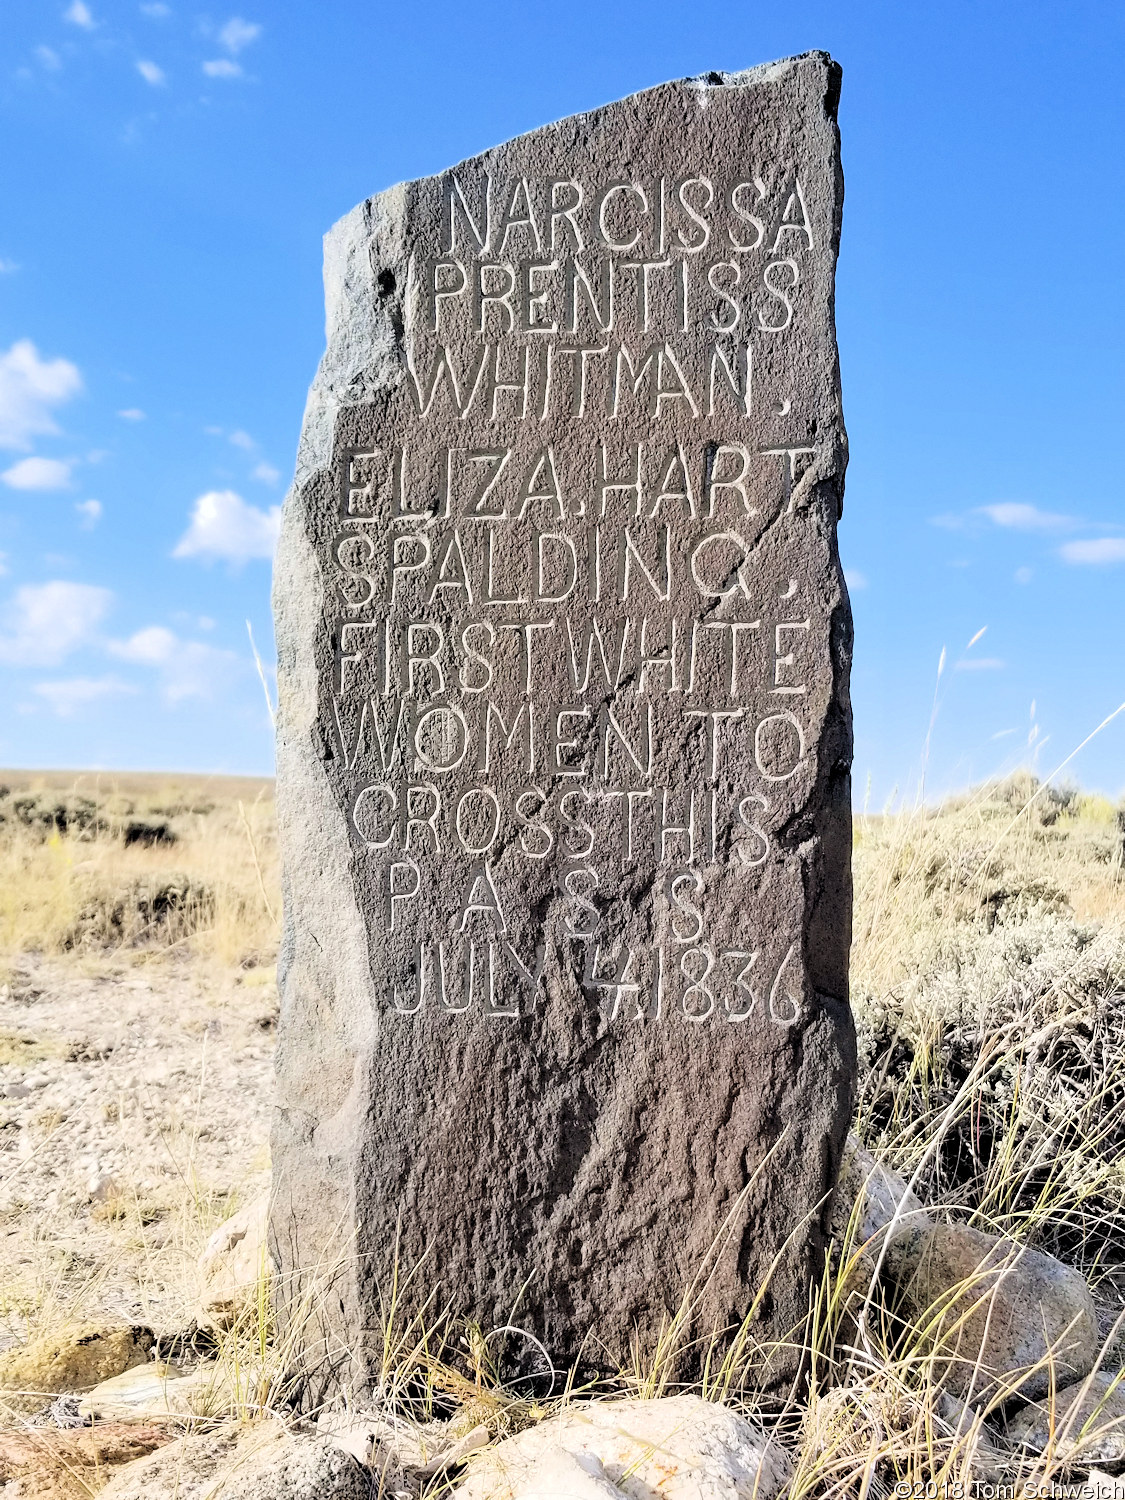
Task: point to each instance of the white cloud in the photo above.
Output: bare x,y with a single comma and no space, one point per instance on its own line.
266,473
223,525
242,439
78,14
45,622
67,696
156,8
979,664
8,267
1024,575
188,669
91,513
856,579
1018,516
238,33
29,388
37,474
222,67
150,72
132,414
49,58
1094,551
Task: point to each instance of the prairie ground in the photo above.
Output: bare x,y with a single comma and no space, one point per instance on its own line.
138,932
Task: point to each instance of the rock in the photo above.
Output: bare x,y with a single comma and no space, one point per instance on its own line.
74,1360
232,1265
139,1393
259,1462
1002,1307
183,1469
391,1447
102,1188
1088,1424
47,1464
976,1441
212,1390
564,736
681,1448
878,1205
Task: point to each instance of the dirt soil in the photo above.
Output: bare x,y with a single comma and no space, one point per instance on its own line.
135,1103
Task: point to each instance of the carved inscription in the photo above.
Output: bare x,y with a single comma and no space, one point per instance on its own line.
575,653
564,739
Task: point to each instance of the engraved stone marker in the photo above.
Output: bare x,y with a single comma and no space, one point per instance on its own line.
564,742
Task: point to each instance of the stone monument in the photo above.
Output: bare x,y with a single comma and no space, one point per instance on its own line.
564,740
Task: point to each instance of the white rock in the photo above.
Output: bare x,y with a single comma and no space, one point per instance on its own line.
156,1391
681,1448
390,1446
139,1393
235,1258
102,1187
878,1203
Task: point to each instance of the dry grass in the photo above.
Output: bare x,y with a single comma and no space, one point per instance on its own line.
989,991
146,864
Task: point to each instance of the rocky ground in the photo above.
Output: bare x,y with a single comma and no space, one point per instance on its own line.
134,1117
970,1327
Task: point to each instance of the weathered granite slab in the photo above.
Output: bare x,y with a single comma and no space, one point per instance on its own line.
564,740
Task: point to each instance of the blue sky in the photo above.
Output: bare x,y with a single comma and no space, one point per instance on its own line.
166,175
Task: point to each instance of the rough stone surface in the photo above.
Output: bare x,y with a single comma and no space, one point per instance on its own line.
1088,1423
232,1264
999,1309
564,734
679,1448
878,1205
259,1463
74,1360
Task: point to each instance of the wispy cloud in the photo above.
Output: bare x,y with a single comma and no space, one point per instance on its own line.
45,622
238,33
1017,515
8,267
856,579
188,669
132,414
1024,575
222,67
266,473
242,440
979,664
49,58
156,9
1094,551
37,474
224,525
29,388
91,513
151,72
79,14
66,697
